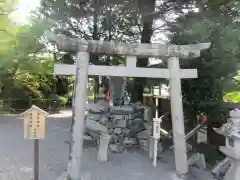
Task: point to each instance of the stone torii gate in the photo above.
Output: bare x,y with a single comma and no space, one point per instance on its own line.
82,69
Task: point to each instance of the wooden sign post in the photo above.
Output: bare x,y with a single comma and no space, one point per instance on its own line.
34,128
156,132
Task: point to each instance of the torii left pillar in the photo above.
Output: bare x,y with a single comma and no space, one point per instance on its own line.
80,105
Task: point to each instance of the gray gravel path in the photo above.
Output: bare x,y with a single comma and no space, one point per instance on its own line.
16,156
134,165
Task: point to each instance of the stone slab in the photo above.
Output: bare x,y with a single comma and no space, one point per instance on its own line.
66,69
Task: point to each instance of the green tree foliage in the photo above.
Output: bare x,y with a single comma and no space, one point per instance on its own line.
135,21
92,20
218,65
124,21
232,93
7,30
25,67
23,58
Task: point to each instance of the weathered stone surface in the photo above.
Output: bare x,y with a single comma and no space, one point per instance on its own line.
188,146
117,131
148,113
103,119
116,138
129,141
144,145
87,138
127,109
100,106
119,121
95,127
117,87
136,127
233,172
232,132
116,148
130,49
94,70
126,131
103,148
198,160
221,168
143,135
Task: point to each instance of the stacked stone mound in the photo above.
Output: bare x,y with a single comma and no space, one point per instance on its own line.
126,125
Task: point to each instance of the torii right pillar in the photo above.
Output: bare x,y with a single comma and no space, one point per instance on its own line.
180,150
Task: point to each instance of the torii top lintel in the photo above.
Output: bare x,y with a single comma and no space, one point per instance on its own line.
128,49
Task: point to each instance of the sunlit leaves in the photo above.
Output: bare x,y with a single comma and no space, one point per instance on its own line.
216,66
232,97
7,29
24,62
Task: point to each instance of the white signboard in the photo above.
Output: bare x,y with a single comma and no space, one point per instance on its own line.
156,128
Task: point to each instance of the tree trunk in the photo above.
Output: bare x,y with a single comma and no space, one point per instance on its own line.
94,58
96,85
146,34
215,121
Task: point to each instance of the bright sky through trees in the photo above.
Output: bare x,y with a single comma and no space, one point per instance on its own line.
23,10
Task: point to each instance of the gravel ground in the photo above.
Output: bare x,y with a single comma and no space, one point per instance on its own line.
16,156
134,165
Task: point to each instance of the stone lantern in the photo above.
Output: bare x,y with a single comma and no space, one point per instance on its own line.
231,130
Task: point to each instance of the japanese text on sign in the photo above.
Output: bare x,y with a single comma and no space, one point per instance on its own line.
34,123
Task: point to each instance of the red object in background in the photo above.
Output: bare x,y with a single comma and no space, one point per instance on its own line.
204,118
108,96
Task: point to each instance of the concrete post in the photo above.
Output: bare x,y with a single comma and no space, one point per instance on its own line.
180,151
150,147
103,148
80,105
155,146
